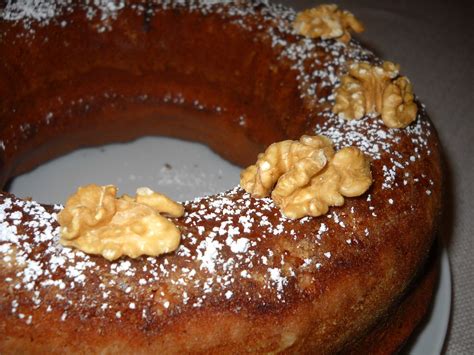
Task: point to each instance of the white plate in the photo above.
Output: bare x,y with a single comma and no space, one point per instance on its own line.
180,169
184,170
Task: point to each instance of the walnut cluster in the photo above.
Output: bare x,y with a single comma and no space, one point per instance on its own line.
369,89
95,221
327,21
305,177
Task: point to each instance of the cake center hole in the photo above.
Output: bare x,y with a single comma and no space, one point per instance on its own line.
180,169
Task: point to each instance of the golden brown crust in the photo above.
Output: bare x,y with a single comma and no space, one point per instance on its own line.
393,330
245,278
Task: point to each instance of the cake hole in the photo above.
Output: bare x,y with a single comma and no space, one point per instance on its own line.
180,169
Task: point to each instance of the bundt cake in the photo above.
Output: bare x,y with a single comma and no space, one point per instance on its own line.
245,277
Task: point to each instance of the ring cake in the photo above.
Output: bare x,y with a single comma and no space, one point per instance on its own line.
246,276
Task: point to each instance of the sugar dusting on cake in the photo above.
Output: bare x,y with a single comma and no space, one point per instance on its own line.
211,261
222,235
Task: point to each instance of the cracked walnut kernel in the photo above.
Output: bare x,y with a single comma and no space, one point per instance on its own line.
346,175
327,21
369,89
95,221
306,176
399,110
280,159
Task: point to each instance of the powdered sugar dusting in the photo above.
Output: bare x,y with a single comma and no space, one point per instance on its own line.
31,10
222,241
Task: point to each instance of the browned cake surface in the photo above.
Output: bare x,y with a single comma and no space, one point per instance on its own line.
394,330
244,278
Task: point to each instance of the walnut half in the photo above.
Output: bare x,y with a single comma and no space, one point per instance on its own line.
327,21
292,162
305,177
346,175
399,110
95,221
369,89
